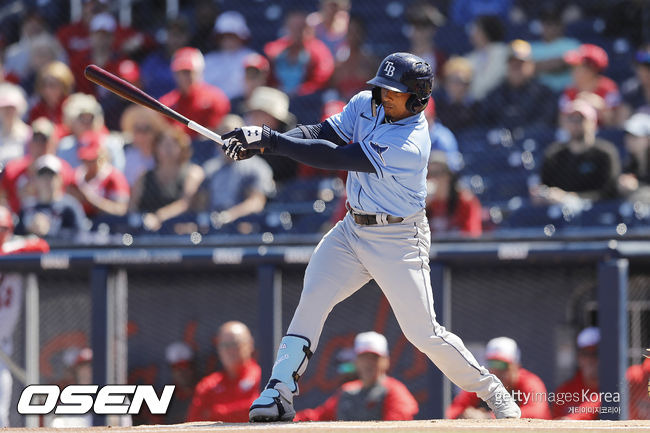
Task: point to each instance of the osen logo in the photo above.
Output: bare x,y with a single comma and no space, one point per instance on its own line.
80,399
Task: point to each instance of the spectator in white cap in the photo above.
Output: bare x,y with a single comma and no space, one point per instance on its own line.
52,213
503,359
225,66
635,179
14,133
180,358
583,383
101,52
374,396
82,113
270,106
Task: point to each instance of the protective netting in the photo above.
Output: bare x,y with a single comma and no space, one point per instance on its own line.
542,307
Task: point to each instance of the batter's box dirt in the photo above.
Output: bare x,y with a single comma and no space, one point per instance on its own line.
432,426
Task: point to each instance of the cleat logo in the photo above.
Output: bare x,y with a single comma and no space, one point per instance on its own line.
283,346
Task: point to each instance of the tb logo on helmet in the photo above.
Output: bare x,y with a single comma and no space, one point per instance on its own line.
389,69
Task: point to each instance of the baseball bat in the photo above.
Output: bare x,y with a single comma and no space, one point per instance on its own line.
128,91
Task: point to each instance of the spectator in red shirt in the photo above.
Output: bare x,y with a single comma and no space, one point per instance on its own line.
375,396
585,379
99,187
450,207
588,62
300,63
256,74
201,102
12,244
101,53
54,84
638,377
226,395
75,37
19,176
528,390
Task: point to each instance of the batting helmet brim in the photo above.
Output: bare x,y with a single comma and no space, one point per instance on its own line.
389,84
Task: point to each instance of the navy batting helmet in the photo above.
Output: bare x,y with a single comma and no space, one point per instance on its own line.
406,73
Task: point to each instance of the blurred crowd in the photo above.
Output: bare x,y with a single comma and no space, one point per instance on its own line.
366,390
76,158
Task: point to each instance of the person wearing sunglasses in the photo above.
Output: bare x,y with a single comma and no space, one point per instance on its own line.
502,358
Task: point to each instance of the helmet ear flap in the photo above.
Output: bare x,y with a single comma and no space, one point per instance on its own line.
415,104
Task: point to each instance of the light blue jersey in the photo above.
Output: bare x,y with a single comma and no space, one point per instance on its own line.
399,151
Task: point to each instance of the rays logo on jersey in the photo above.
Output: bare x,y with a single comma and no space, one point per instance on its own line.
379,149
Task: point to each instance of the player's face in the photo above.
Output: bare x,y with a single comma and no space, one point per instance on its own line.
505,371
395,104
370,367
234,347
588,363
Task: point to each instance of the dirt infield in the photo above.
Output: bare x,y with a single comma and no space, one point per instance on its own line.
437,426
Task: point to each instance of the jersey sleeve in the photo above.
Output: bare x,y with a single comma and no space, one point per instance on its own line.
343,122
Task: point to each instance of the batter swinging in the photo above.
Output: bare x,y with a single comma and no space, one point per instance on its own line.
382,139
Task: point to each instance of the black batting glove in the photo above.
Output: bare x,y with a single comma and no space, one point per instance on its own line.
252,137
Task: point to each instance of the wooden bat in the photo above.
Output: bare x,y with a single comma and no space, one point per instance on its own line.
128,91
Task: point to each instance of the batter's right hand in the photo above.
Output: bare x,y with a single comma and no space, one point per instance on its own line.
248,136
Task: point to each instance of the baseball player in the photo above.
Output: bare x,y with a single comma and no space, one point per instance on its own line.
381,138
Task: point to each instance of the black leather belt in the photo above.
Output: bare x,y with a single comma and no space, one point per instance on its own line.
368,220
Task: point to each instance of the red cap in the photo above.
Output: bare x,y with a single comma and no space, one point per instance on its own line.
257,61
128,69
187,59
588,53
91,143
